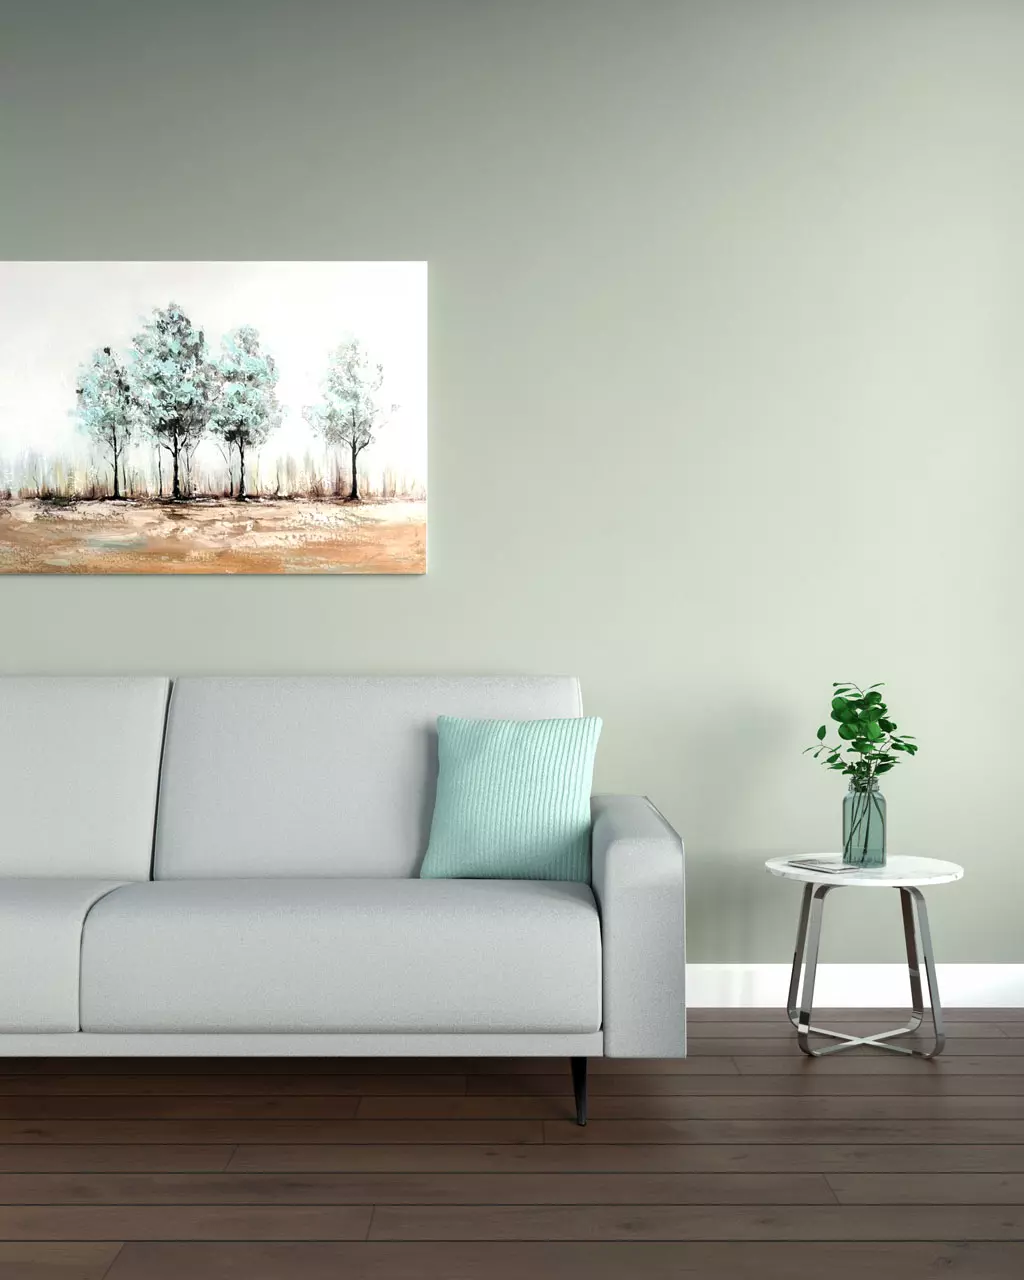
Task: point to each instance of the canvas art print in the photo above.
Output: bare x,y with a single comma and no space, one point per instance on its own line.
213,417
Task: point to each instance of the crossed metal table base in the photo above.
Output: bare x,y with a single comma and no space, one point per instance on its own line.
805,957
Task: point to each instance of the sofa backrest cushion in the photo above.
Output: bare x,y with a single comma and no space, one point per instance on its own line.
79,767
318,776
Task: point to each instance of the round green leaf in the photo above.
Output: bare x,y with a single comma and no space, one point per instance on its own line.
847,732
822,731
839,704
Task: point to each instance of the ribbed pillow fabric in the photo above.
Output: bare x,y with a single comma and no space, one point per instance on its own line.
513,800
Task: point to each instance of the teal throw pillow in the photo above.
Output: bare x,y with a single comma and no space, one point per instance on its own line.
513,799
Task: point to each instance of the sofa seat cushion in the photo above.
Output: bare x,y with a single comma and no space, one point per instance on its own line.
40,948
343,955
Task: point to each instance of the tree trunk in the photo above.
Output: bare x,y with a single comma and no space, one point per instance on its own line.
117,491
241,472
354,492
176,482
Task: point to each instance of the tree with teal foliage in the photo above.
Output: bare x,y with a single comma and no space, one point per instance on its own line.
244,409
174,383
105,408
350,413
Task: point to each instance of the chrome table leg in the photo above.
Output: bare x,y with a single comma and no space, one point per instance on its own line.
811,900
924,929
798,954
913,964
800,1003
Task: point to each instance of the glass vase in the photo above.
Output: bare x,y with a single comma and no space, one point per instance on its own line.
864,825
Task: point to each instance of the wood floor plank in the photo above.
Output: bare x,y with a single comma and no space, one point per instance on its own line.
148,1107
1011,1014
703,1066
411,1188
233,1131
42,1261
928,1188
959,1260
99,1157
781,1028
786,1045
232,1067
809,1083
184,1222
221,1086
697,1222
876,1062
640,1107
991,1132
635,1158
791,1061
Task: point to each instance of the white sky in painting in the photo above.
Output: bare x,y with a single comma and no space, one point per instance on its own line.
53,315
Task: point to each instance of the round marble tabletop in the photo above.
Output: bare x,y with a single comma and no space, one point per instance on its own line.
900,871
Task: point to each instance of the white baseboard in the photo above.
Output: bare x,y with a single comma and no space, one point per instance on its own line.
852,986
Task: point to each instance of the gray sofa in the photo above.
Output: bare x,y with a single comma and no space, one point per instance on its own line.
229,866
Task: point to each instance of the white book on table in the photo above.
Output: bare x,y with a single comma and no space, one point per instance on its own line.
831,866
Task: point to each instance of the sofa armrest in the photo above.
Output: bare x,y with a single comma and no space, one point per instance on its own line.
638,883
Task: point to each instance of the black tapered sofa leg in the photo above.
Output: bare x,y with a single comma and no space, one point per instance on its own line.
579,1088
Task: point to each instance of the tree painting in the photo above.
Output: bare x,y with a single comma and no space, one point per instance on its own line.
223,417
350,412
105,407
244,409
173,382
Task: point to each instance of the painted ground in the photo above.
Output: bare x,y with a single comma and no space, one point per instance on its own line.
212,536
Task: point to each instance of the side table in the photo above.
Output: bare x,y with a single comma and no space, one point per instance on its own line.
907,874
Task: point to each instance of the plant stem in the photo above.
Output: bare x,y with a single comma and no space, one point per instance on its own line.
867,825
881,819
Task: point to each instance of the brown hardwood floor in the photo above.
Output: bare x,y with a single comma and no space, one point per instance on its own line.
746,1160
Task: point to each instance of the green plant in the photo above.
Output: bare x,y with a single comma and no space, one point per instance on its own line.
869,744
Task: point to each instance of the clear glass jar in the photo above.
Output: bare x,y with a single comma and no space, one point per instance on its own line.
864,825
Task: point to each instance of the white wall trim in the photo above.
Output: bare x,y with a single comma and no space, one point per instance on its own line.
851,986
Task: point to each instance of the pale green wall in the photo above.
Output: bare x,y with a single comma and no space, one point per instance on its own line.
727,390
